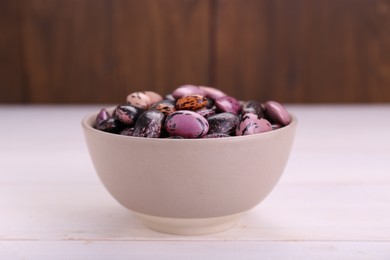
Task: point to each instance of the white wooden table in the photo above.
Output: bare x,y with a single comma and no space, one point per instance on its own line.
333,201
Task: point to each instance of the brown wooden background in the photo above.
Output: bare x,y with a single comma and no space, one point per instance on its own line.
89,51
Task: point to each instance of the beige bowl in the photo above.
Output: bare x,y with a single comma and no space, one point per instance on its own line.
189,186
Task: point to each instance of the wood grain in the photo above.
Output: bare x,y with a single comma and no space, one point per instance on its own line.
67,50
304,50
85,51
11,75
159,45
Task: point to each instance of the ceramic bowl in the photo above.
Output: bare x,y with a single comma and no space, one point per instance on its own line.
189,186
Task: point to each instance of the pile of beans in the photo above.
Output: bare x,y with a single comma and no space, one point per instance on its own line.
191,112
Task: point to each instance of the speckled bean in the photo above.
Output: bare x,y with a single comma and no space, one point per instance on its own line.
191,111
153,97
277,112
110,125
228,104
127,131
212,93
102,116
149,124
206,112
254,107
187,124
251,124
187,90
138,99
192,102
165,106
127,114
223,123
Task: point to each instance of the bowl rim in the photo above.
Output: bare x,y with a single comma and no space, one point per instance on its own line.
89,127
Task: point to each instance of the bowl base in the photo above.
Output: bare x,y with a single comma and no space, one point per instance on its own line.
189,226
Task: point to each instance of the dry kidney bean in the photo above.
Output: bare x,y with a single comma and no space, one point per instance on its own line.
149,124
127,114
191,112
165,106
102,116
187,90
228,104
187,124
110,125
253,124
223,123
206,112
127,131
192,102
138,99
254,107
277,112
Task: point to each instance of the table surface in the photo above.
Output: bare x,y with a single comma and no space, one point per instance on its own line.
333,201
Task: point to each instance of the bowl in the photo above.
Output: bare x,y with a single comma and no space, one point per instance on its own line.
189,186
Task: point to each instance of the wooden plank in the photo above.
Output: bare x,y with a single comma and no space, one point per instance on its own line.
304,51
334,203
11,76
50,210
67,48
159,45
193,250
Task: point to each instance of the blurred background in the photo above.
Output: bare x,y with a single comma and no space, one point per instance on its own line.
98,51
